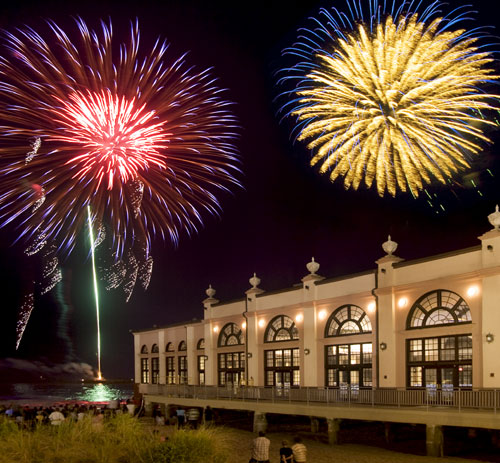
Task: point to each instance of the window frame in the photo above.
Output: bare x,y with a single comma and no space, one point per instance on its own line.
333,318
292,330
417,306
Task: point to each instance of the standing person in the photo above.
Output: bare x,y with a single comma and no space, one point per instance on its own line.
209,416
299,451
260,449
181,414
286,453
193,415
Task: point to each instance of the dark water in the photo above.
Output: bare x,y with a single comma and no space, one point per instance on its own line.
33,393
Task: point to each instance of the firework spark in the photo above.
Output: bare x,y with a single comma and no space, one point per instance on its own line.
394,99
145,140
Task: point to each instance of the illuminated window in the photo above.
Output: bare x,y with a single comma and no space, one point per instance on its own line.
282,367
281,328
201,370
443,360
439,307
346,320
170,364
348,365
231,368
183,369
145,370
155,370
230,335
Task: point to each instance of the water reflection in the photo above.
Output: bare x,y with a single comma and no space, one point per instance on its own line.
99,392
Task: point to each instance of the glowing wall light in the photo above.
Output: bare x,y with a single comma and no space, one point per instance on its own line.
472,291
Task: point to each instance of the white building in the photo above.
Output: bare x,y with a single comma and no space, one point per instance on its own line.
427,323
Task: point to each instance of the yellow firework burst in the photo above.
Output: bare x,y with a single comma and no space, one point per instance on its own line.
396,102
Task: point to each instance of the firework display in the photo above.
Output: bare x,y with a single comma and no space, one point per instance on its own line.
144,139
389,95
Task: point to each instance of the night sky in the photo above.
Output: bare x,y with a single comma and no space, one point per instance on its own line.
284,214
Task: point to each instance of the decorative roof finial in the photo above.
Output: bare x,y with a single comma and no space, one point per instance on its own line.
494,219
254,281
210,292
389,246
313,267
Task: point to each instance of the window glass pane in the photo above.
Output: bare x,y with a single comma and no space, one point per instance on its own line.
431,349
270,378
269,358
355,354
287,358
349,327
416,376
465,376
430,376
296,357
343,354
367,353
332,377
367,377
447,348
222,361
465,347
296,377
278,358
282,335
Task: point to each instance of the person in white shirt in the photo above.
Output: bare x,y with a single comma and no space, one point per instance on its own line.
56,417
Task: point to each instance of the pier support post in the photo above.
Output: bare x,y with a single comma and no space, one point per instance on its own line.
259,422
333,431
314,424
434,440
389,435
148,408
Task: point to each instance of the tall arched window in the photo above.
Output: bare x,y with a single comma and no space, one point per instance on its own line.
439,307
144,349
281,328
230,335
231,365
347,319
182,346
169,347
155,349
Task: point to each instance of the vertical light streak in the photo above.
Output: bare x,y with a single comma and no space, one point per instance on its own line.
96,293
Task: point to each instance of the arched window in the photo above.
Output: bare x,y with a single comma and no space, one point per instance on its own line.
144,349
281,328
230,335
170,347
155,349
201,344
347,319
440,307
182,345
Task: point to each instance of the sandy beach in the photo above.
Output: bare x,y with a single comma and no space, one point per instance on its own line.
319,452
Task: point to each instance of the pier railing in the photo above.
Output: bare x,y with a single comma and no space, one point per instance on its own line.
480,399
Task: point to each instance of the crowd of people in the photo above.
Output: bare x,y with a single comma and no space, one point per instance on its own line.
297,453
180,417
28,417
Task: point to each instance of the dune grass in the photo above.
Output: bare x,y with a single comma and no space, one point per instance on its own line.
120,440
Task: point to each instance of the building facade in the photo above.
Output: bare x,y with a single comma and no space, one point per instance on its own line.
428,323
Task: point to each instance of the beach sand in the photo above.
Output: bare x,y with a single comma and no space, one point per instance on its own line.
240,442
